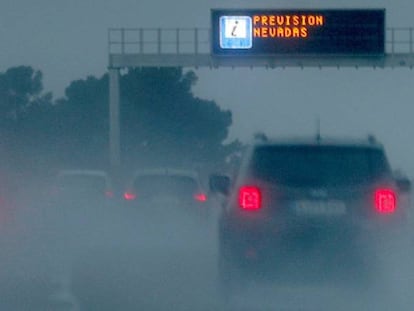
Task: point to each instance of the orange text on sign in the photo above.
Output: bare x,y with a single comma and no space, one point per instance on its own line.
285,26
288,20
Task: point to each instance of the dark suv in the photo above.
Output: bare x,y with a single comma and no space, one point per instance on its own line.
293,200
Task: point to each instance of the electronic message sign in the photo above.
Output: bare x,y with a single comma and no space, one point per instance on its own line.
274,32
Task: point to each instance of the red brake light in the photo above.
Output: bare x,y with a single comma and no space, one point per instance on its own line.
385,201
250,198
129,196
109,194
200,197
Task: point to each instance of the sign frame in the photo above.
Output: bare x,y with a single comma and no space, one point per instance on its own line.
299,32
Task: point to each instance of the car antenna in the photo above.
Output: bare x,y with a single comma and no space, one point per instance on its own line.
372,139
318,129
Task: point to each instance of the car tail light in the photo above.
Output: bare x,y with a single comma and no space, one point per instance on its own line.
129,196
250,198
200,197
385,201
109,194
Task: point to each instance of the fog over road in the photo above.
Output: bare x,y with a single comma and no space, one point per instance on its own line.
158,258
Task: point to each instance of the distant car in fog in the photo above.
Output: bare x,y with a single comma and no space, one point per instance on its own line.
82,185
297,198
166,187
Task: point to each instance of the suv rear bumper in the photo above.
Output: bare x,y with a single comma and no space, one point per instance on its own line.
252,241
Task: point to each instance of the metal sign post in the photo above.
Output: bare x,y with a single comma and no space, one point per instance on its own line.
114,118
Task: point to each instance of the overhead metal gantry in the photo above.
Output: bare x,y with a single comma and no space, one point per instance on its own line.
191,47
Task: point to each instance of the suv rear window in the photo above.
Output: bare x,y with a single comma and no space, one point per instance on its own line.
303,166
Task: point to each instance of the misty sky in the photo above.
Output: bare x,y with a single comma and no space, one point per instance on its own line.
67,40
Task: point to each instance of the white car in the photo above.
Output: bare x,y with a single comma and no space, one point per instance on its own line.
83,184
166,186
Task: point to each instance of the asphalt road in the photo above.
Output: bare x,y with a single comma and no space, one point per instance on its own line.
120,258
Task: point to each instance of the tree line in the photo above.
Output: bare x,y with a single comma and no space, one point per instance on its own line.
162,122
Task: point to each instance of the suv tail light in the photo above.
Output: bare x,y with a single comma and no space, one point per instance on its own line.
200,197
385,201
129,196
250,198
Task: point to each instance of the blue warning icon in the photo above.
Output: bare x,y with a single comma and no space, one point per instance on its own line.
236,32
